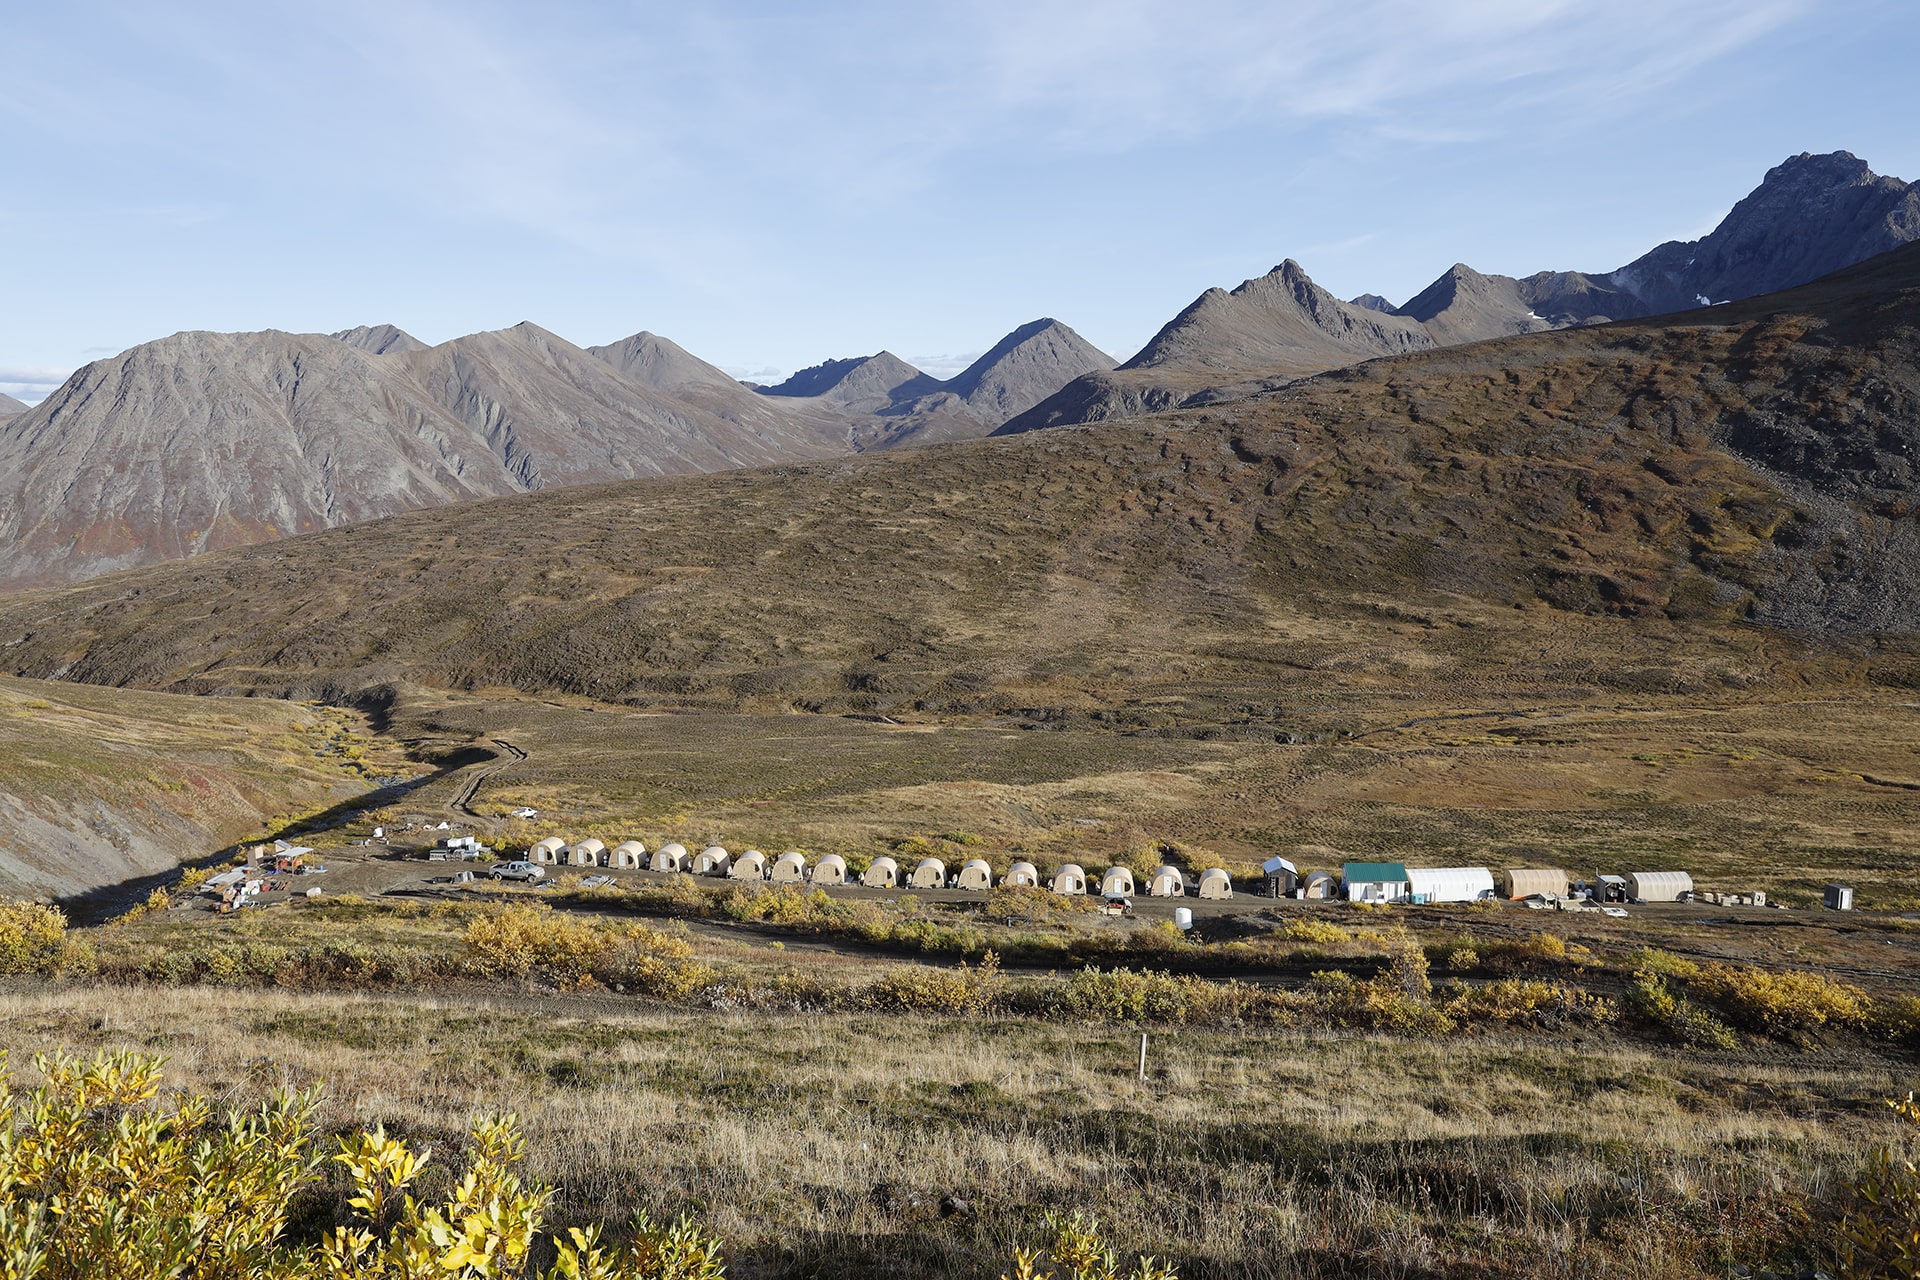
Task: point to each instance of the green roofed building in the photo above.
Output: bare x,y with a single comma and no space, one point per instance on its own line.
1375,881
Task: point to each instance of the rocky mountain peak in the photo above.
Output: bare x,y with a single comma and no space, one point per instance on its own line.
380,339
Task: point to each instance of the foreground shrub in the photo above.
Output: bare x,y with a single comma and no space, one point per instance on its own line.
1322,932
1128,995
1788,1006
920,988
33,938
1879,1233
1528,1002
1650,1000
1078,1252
524,942
98,1180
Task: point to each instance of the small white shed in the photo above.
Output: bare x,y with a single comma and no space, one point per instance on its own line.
751,865
1167,882
629,855
547,852
586,853
976,874
1117,883
1021,875
713,861
831,869
930,874
882,873
1070,879
1215,883
1658,886
1450,884
789,868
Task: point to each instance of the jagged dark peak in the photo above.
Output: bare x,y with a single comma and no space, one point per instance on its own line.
864,384
380,339
1372,302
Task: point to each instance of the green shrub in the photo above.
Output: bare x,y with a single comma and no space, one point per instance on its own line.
1528,1002
1879,1232
927,989
1321,932
1788,1005
1664,963
33,938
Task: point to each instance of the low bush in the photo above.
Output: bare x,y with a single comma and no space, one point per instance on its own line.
1879,1231
1527,1002
1077,1251
960,990
33,938
1321,932
1664,963
1129,995
1788,1006
1649,999
524,942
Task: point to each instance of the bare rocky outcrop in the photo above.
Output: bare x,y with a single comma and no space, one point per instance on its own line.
1466,306
380,339
9,406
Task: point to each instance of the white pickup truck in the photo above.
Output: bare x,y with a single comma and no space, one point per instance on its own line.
528,871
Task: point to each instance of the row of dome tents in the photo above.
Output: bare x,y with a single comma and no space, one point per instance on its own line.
883,873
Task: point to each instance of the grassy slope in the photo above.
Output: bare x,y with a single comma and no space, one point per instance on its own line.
99,786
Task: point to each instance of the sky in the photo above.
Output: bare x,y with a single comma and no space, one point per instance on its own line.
776,184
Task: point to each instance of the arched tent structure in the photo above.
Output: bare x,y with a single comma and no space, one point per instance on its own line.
789,868
831,869
1320,885
976,874
713,860
882,873
1070,879
1524,882
930,874
1215,883
1658,886
1021,875
1167,882
1450,884
1117,882
671,857
751,865
547,852
629,855
586,853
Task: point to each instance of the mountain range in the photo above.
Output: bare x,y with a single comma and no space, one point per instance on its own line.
202,441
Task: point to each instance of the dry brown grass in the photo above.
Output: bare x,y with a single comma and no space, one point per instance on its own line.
824,1145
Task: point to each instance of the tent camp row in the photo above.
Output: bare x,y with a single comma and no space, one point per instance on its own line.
1397,882
792,867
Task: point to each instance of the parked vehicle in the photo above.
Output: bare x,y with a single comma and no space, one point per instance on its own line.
527,871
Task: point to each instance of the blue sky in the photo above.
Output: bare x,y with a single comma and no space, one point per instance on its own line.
775,184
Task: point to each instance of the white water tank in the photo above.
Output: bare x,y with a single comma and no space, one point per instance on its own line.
1183,918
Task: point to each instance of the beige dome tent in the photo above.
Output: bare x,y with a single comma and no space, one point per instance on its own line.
930,874
1658,886
586,853
629,855
882,873
1320,885
751,865
1215,883
548,851
1023,875
832,869
1070,879
1523,882
1117,883
789,868
975,874
713,860
1167,882
672,856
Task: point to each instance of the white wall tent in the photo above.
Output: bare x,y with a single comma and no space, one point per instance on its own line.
1216,883
671,857
1450,884
630,855
1658,886
976,874
1167,882
930,874
882,873
1021,875
832,869
751,865
1117,883
713,860
586,853
1070,879
548,851
789,868
1524,882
